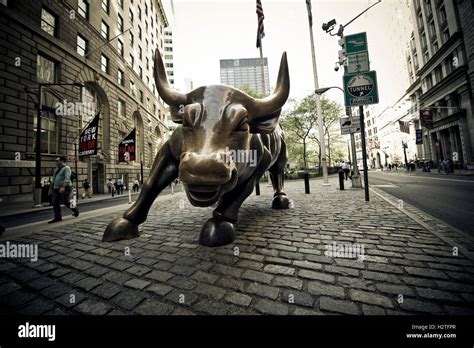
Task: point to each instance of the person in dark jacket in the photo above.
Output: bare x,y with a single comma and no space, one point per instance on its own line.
61,189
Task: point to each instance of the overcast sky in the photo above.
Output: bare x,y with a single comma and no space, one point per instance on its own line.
206,31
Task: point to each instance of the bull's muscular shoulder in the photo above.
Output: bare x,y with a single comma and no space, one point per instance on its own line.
176,142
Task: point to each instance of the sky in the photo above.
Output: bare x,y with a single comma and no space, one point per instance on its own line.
206,31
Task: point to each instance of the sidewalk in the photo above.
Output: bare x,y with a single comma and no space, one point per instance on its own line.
26,207
332,253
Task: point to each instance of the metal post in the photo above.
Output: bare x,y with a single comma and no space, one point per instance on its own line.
141,167
318,101
364,153
306,182
356,183
37,193
75,168
257,188
341,179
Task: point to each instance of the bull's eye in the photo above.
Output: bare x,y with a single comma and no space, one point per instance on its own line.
243,125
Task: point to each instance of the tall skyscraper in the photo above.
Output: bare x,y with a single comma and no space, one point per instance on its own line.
243,72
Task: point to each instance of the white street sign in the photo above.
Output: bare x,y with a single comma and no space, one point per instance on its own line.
349,125
357,62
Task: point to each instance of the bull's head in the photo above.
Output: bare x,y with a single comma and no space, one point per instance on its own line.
217,120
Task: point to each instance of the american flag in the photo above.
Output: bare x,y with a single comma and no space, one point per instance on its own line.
260,30
404,126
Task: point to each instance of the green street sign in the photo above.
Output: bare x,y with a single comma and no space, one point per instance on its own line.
355,43
360,89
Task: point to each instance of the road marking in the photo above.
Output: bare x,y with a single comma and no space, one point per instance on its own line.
425,177
386,185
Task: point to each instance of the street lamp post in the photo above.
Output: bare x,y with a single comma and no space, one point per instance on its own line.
318,101
37,191
356,182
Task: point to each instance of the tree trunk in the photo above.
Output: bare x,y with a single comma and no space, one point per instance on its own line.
304,154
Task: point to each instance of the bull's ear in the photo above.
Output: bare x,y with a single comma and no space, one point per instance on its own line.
265,125
177,114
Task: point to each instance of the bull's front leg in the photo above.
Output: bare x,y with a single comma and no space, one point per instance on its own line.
163,172
219,230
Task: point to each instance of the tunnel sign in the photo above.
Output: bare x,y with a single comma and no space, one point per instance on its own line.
360,89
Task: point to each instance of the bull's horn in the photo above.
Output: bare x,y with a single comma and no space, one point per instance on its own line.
274,102
166,92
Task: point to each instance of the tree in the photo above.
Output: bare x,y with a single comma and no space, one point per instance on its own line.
298,125
251,92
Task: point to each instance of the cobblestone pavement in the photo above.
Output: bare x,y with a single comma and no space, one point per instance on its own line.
277,264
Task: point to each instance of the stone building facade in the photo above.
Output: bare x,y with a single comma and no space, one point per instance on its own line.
108,47
440,62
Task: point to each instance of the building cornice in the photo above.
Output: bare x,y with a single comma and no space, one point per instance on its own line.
443,83
448,45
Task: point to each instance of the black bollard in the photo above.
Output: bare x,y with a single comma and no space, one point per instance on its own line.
306,182
257,188
341,179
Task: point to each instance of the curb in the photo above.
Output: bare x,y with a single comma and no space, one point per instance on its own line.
449,241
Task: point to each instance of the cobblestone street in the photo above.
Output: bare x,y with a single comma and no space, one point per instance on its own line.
277,264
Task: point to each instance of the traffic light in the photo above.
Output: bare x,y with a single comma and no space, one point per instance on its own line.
342,55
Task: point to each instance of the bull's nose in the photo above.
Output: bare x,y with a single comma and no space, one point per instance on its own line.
204,169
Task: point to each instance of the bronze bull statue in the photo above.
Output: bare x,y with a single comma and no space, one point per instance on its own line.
217,122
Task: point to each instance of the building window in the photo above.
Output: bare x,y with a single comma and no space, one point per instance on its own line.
49,132
120,47
48,22
139,13
105,6
139,32
120,3
140,53
104,64
120,23
131,39
147,63
146,9
438,74
83,8
130,15
132,87
45,70
104,30
121,108
141,96
429,81
120,77
140,72
446,34
169,49
442,16
82,45
131,60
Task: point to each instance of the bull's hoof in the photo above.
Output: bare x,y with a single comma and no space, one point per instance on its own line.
280,202
120,229
217,232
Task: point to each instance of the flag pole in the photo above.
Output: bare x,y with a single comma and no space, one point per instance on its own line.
262,65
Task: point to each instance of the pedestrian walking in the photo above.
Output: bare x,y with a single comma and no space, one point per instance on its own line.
389,166
61,189
136,185
119,186
87,189
346,169
109,185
